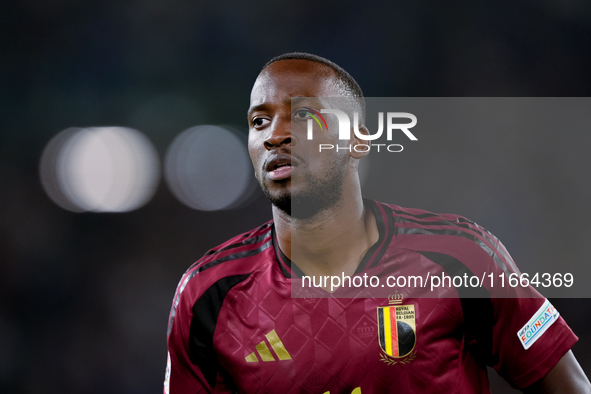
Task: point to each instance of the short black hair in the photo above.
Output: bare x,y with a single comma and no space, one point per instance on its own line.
347,82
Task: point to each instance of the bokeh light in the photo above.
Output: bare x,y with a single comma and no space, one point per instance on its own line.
100,169
208,168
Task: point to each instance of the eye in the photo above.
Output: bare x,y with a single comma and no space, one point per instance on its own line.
301,114
260,122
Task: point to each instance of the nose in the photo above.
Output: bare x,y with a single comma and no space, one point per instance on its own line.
280,135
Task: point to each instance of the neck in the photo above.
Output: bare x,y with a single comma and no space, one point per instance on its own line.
333,241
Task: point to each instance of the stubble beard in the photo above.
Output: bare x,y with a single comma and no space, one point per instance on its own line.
318,195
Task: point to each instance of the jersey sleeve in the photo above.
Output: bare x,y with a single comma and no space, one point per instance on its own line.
528,335
509,327
193,365
529,338
183,374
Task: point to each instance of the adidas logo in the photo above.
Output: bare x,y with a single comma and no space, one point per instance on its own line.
264,352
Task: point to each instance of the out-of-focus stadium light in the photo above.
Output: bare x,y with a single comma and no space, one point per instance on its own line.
208,168
100,169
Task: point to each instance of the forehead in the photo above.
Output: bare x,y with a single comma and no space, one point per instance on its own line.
294,78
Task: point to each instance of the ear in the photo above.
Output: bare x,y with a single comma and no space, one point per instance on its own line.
360,147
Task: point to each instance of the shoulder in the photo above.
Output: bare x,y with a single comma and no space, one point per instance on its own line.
449,235
424,217
238,255
409,220
223,267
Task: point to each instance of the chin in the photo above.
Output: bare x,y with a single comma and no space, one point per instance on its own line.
283,202
279,195
316,195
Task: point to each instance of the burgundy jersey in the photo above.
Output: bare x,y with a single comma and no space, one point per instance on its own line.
235,326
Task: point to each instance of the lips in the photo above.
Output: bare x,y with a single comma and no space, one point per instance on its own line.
279,166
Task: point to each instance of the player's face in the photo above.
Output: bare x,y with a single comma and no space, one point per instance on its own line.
288,166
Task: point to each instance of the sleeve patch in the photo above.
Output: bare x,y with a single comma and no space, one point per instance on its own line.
537,325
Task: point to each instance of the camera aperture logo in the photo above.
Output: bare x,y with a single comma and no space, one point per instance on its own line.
345,129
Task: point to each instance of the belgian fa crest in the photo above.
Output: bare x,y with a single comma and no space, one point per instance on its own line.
397,333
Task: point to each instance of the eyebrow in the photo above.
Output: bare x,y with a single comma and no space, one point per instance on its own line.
256,108
291,100
297,100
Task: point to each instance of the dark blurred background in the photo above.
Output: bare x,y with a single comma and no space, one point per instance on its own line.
84,297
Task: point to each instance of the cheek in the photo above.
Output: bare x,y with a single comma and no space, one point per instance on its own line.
251,147
254,152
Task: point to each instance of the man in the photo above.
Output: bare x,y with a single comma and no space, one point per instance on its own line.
235,327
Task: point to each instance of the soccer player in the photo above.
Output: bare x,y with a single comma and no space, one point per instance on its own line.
235,327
